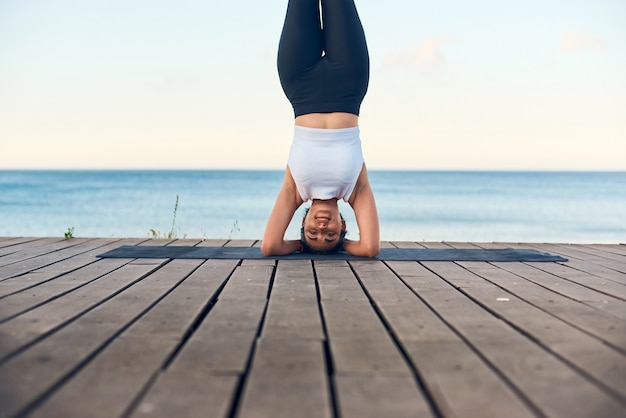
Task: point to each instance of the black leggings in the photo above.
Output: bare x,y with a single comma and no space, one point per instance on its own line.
323,69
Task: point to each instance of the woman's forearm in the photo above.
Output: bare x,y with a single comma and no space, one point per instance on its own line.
282,247
362,249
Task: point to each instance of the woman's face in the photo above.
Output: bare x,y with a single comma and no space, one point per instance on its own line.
322,226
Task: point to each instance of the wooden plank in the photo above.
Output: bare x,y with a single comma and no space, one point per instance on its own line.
346,308
456,379
42,275
293,309
280,397
619,249
337,283
364,356
17,244
31,374
462,245
598,253
212,243
579,261
87,257
108,385
32,325
358,340
436,245
9,241
548,384
605,364
278,357
240,243
251,282
379,396
603,326
268,263
189,393
39,248
222,346
437,329
185,242
613,305
606,272
51,257
500,245
17,301
13,245
159,242
462,384
590,281
223,341
217,352
288,375
407,244
600,266
579,272
287,379
581,252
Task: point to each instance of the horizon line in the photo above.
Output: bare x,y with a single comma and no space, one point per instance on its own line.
500,170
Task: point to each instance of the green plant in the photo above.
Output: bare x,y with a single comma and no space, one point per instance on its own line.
233,229
70,233
172,234
156,234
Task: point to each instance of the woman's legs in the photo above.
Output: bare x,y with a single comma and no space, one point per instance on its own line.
344,38
301,42
335,82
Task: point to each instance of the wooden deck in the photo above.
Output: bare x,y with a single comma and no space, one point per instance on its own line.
87,337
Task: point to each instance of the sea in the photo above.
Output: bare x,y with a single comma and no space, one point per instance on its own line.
476,206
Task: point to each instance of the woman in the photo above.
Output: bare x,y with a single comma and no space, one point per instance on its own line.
323,65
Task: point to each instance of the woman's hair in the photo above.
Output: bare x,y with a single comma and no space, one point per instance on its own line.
307,248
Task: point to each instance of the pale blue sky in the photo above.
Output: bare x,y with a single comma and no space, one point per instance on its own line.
534,84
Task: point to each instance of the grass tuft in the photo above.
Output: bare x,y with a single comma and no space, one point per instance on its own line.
156,234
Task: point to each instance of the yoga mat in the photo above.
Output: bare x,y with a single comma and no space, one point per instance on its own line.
390,254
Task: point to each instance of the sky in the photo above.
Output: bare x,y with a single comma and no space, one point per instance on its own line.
454,85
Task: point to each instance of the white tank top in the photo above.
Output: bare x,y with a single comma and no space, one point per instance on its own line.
325,163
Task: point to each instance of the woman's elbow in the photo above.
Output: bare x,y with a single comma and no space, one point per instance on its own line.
371,250
267,248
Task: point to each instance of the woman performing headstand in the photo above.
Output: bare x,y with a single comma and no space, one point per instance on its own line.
323,65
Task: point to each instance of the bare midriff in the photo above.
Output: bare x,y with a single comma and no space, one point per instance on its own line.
336,120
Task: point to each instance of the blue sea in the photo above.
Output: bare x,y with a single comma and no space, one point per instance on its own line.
572,207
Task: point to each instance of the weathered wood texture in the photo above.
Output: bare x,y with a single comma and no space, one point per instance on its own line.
87,337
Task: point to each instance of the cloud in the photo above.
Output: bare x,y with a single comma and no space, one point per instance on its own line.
573,42
426,56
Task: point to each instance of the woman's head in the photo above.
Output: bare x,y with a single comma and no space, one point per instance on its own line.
323,228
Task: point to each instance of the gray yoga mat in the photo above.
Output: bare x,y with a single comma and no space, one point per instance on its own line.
390,254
